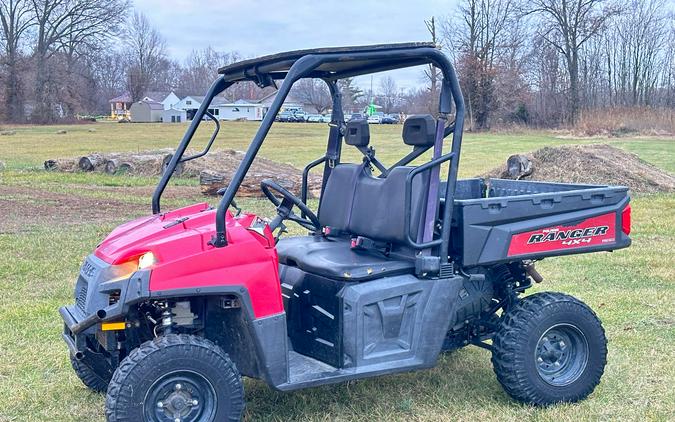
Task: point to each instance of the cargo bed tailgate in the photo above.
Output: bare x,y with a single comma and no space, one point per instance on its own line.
532,220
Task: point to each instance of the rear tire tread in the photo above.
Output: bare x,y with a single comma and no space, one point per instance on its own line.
508,358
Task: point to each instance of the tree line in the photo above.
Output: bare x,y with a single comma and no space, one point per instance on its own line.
541,62
61,58
545,62
536,62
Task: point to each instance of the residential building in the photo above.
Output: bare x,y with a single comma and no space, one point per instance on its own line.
146,112
173,115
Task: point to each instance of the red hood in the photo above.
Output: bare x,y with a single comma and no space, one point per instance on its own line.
169,236
179,240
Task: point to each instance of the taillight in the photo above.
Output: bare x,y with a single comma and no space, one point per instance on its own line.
625,220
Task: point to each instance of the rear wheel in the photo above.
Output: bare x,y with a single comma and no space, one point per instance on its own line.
176,378
549,348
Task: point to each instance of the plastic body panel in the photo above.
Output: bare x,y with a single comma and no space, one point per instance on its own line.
314,314
385,321
185,258
390,325
492,217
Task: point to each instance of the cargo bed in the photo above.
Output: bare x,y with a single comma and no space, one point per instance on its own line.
507,220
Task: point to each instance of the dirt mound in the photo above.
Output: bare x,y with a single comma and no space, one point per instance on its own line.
594,164
26,208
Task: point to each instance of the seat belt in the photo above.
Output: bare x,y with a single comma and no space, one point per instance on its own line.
434,183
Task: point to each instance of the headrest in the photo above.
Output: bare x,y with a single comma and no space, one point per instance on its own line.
419,130
357,133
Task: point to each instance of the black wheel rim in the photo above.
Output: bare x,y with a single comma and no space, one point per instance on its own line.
561,354
180,396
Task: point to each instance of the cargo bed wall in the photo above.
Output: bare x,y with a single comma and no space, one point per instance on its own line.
530,220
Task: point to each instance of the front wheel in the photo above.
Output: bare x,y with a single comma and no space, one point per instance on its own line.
96,381
176,378
549,348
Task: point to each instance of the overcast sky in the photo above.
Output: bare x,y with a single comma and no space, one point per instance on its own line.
257,27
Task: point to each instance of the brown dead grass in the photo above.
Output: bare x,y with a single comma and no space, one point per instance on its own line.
624,121
595,164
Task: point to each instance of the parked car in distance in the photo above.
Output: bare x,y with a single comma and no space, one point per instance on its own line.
326,118
314,118
356,116
285,116
300,116
375,118
389,119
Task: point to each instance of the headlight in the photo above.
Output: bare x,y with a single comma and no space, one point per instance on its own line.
146,260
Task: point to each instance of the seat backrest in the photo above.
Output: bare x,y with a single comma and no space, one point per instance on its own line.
358,203
378,211
338,196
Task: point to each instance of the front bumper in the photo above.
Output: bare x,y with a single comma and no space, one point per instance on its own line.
80,350
93,303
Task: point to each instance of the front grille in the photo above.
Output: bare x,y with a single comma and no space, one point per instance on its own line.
81,299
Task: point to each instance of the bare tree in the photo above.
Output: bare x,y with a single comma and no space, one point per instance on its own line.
313,92
16,19
109,70
549,81
146,55
351,94
389,93
431,72
72,24
479,41
200,66
634,47
567,25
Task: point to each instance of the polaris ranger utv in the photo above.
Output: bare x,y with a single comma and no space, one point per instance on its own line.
397,266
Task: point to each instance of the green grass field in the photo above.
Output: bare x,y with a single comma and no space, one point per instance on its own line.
50,221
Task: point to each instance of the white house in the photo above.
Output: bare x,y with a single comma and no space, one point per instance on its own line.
173,115
167,99
291,103
190,104
120,106
239,110
170,101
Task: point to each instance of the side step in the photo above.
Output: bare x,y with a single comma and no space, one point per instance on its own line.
309,372
303,368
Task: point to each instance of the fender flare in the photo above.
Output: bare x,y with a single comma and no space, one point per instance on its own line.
268,333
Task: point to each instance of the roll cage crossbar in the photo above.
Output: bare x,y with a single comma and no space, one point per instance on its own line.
331,65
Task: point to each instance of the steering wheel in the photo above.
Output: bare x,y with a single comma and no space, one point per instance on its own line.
285,206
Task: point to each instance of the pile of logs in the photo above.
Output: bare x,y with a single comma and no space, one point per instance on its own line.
214,170
221,166
142,164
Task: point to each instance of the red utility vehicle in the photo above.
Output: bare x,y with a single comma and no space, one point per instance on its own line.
397,266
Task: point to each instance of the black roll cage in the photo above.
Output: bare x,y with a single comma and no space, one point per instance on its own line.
331,65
